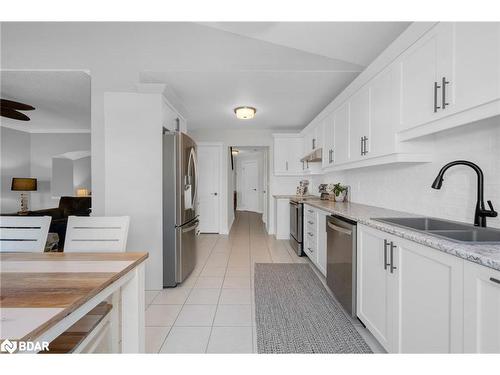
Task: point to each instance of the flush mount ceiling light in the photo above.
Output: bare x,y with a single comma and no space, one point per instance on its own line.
245,113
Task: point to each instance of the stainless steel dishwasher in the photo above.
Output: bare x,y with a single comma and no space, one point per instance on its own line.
341,261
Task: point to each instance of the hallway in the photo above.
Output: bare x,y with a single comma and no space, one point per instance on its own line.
213,310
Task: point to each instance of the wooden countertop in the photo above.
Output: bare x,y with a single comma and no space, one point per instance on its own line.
40,289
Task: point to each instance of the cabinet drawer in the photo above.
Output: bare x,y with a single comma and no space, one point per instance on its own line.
310,250
310,221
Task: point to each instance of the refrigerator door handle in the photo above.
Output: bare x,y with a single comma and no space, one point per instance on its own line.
192,227
191,178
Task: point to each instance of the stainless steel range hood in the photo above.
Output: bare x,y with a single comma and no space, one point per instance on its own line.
314,156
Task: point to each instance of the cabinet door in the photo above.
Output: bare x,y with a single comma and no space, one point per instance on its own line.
318,136
481,309
309,140
341,135
294,154
328,143
359,124
429,308
422,68
385,92
374,295
281,155
477,64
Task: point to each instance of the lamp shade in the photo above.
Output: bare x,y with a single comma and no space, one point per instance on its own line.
23,184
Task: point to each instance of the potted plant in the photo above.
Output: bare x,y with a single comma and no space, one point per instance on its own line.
339,192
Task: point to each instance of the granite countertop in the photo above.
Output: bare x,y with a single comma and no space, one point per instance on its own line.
294,196
485,254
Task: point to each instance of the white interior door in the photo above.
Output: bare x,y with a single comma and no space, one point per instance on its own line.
208,187
250,184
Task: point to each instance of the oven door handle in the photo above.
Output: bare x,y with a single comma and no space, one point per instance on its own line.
339,229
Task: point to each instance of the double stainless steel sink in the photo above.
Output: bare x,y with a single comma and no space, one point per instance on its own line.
450,230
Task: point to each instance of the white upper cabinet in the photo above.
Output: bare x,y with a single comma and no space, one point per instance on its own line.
287,154
360,124
481,309
450,77
425,66
328,141
477,64
341,135
385,94
313,138
434,77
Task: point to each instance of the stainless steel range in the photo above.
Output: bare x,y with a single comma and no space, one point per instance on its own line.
296,227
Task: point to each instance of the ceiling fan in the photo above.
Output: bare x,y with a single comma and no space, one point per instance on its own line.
10,109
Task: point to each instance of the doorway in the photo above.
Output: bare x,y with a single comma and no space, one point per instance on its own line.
251,185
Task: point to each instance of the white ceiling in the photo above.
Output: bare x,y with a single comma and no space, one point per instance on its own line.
61,100
288,99
356,42
289,72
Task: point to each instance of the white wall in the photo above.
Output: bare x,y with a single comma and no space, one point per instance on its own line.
43,148
14,162
30,155
134,186
251,137
408,187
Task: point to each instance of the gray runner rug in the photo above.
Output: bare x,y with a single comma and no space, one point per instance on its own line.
296,314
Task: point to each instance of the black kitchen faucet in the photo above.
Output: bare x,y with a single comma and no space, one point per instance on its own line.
481,213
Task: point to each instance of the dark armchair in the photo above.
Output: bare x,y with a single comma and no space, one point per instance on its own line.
68,206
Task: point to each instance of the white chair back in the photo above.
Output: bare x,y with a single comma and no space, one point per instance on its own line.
90,234
27,234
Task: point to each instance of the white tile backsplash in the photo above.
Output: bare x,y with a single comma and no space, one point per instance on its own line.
407,187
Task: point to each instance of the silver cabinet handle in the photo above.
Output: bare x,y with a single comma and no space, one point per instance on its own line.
392,257
386,243
444,82
216,193
361,146
287,166
436,87
365,148
495,280
310,234
311,222
339,229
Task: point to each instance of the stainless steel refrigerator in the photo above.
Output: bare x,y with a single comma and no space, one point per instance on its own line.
180,219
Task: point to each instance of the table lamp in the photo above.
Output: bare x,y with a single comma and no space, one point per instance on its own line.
24,185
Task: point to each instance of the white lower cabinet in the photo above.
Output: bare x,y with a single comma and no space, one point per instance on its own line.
409,296
315,236
375,286
428,299
481,309
282,218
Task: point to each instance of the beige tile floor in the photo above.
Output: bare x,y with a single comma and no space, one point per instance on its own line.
213,310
